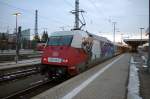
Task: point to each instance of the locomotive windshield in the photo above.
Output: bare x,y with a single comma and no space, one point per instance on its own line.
60,40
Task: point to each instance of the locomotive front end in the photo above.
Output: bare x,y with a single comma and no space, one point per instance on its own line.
61,55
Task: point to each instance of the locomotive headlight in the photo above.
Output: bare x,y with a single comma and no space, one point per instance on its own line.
65,60
45,59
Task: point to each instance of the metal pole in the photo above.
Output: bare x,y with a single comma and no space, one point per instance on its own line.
121,38
16,15
114,23
16,58
16,25
148,62
36,23
77,14
141,35
18,43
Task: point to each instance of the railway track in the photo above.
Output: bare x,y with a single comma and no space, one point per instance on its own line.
6,76
21,76
35,88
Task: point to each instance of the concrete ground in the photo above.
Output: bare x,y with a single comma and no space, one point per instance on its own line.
105,81
144,84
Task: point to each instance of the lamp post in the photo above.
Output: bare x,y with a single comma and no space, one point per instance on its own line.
141,34
114,25
17,50
121,38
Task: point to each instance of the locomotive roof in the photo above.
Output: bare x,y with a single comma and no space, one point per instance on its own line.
80,32
104,39
73,32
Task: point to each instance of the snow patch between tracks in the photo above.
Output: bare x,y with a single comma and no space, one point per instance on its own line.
134,83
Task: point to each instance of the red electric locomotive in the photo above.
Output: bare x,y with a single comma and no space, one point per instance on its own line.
64,53
71,52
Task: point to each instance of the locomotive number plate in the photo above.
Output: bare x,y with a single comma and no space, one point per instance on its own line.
54,60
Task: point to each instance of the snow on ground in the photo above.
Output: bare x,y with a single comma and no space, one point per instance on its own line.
134,83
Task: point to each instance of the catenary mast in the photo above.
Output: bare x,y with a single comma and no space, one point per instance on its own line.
36,23
76,12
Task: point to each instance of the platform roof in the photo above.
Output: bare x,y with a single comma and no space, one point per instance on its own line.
136,42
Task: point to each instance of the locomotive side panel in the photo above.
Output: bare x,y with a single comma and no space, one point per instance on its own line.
78,39
96,51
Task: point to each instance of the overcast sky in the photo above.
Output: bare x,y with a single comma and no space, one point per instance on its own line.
130,15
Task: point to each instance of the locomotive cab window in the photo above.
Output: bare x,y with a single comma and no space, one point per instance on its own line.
60,40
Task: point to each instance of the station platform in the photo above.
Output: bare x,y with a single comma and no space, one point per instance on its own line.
22,51
24,54
107,80
26,62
